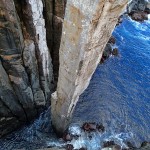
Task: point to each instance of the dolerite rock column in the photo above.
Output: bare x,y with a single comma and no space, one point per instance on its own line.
87,28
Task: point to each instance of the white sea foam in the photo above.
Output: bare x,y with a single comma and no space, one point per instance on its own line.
94,140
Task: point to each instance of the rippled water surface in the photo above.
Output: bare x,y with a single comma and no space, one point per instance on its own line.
119,93
118,96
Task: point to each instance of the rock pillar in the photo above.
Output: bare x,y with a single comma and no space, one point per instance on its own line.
87,27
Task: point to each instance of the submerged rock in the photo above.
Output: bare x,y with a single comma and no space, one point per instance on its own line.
138,10
100,127
112,40
120,20
89,127
110,145
139,16
115,147
67,137
130,145
115,52
83,149
54,148
69,147
145,146
108,51
93,127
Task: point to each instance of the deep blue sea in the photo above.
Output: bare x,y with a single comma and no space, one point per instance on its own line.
118,96
119,92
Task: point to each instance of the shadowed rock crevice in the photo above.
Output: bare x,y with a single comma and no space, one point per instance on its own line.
54,13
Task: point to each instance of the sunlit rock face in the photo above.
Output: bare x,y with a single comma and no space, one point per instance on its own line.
86,30
25,63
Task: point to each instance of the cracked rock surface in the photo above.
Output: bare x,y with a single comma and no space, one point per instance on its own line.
26,73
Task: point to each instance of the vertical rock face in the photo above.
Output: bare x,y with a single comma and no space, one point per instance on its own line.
86,30
25,63
138,5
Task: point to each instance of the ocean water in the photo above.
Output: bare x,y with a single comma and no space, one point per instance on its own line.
119,92
118,97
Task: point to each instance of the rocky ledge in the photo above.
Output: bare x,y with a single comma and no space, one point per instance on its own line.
138,10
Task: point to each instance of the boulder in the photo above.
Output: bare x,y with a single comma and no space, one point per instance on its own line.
112,40
107,51
69,147
139,16
89,127
83,148
115,52
54,148
145,146
110,145
100,127
67,137
138,10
